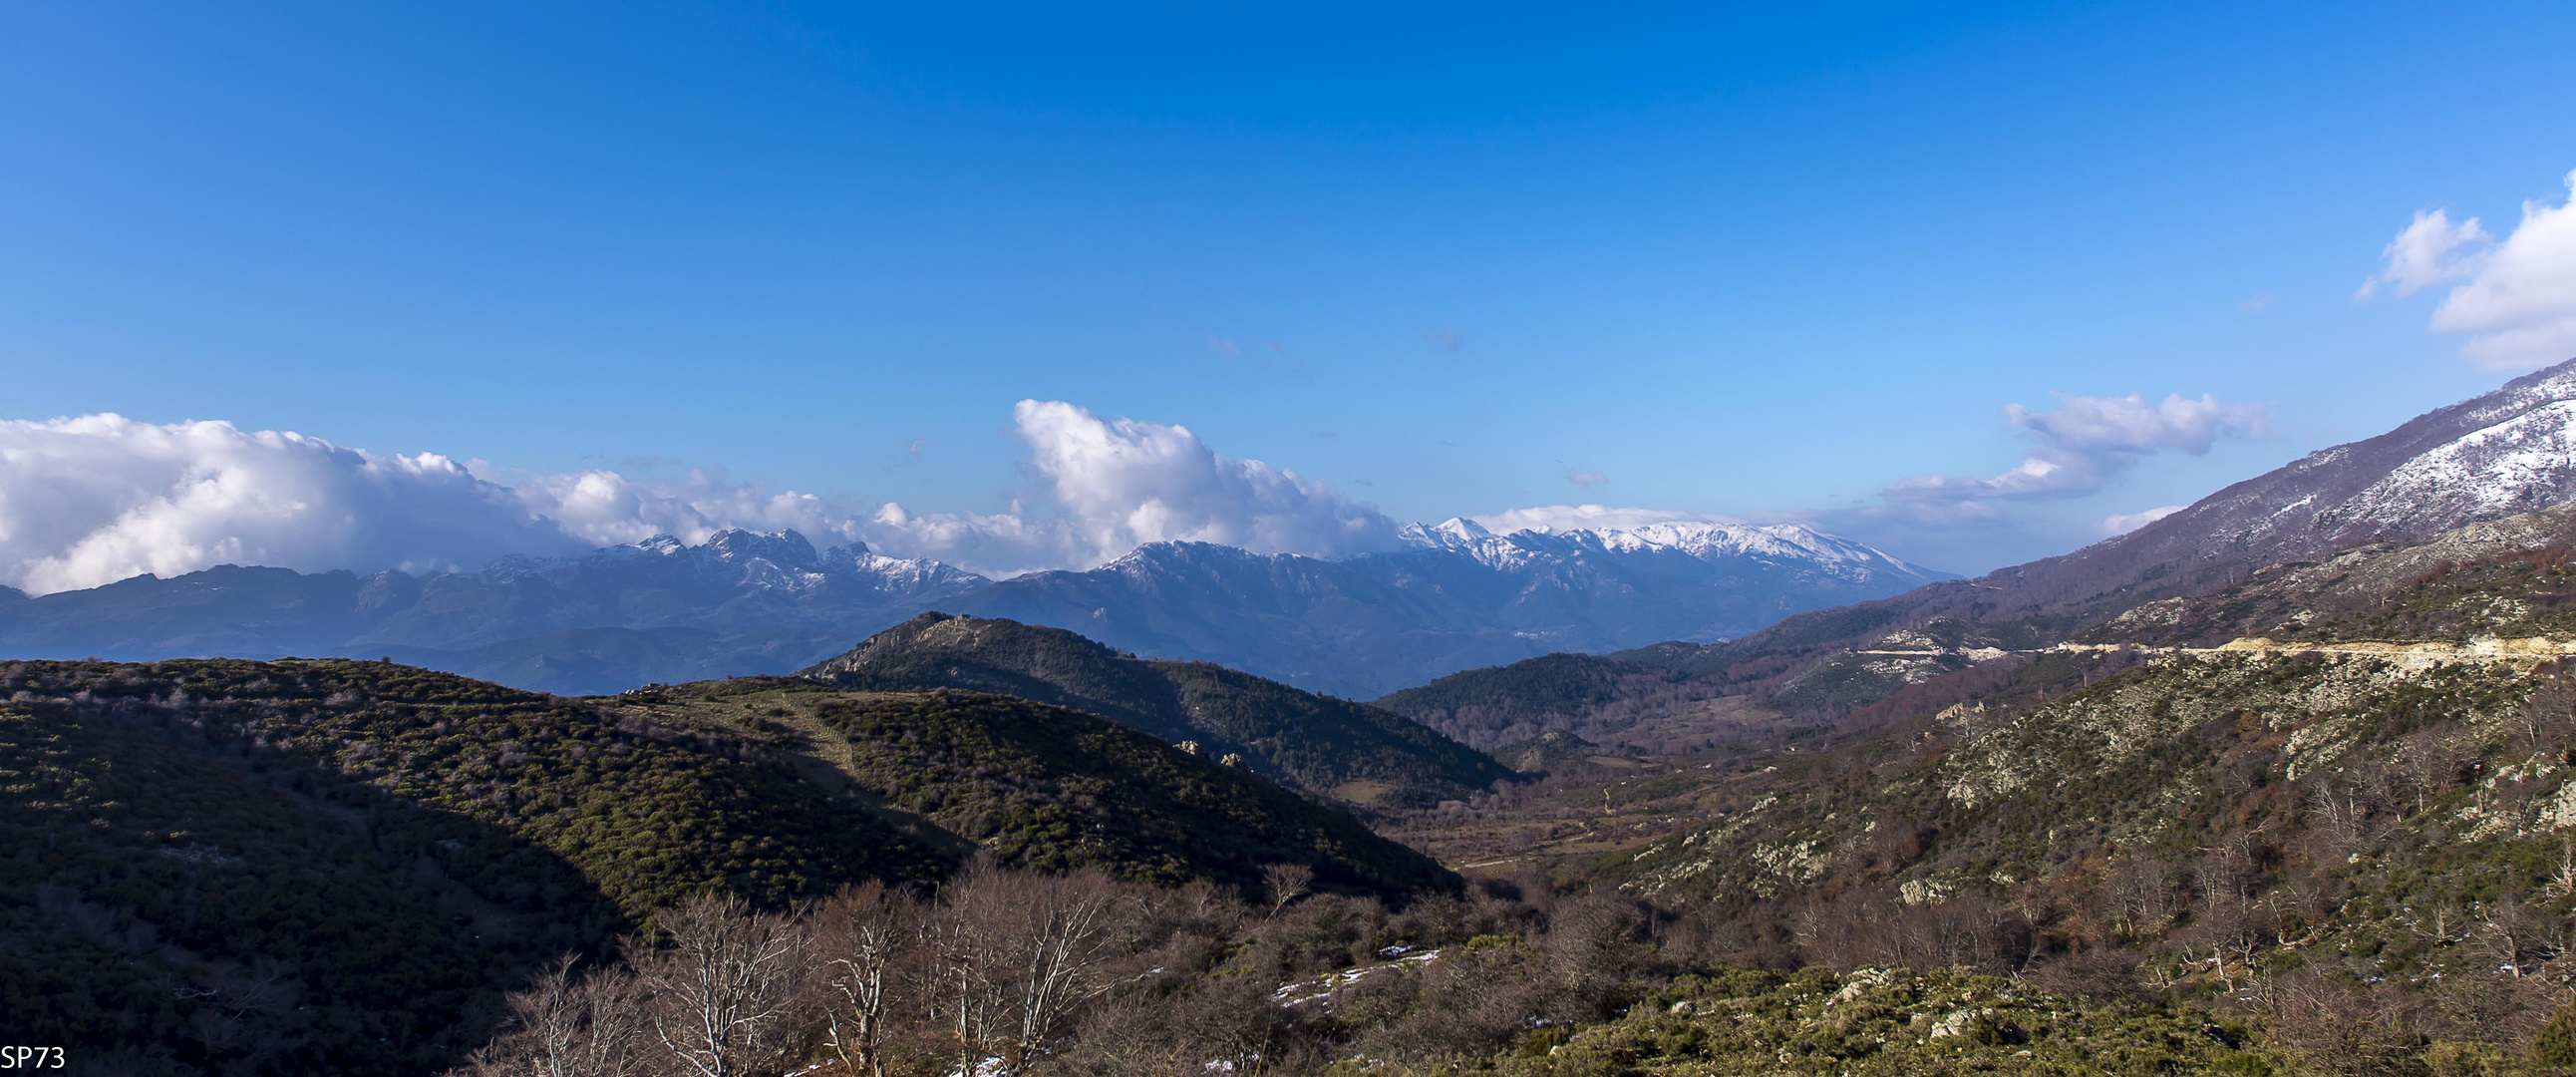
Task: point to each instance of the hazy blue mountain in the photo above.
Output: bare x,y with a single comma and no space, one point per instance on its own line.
1458,598
660,610
1461,598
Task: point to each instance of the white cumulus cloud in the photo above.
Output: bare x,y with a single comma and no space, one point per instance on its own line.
1112,485
2088,441
2515,297
605,508
998,544
99,498
1121,483
2427,252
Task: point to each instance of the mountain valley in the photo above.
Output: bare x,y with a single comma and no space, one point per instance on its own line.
2284,783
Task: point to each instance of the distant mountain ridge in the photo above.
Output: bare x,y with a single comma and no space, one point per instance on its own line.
743,603
740,603
1701,539
1462,598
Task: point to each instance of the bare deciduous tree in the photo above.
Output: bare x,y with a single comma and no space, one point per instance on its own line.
2429,760
2138,894
2512,935
1013,957
1283,883
723,981
568,1027
861,938
2337,818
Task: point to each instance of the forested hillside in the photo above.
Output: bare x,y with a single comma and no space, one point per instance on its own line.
1488,708
334,866
1005,974
2356,825
1043,788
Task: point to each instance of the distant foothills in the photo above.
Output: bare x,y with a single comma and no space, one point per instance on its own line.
662,611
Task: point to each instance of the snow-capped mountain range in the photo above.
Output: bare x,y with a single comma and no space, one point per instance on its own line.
743,602
1704,540
1457,596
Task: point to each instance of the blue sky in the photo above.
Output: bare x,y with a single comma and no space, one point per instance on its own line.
1443,259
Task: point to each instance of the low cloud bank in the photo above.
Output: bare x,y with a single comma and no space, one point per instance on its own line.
91,500
99,498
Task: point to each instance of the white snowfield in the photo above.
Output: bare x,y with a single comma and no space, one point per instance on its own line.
2516,465
1703,540
2509,452
780,561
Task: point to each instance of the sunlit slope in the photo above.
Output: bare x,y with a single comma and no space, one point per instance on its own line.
1315,742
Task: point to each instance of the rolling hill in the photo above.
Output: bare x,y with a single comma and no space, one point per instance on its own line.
1551,693
1335,747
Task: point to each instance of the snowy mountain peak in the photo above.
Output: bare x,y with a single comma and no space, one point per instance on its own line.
785,549
1453,532
1706,540
1456,597
749,561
